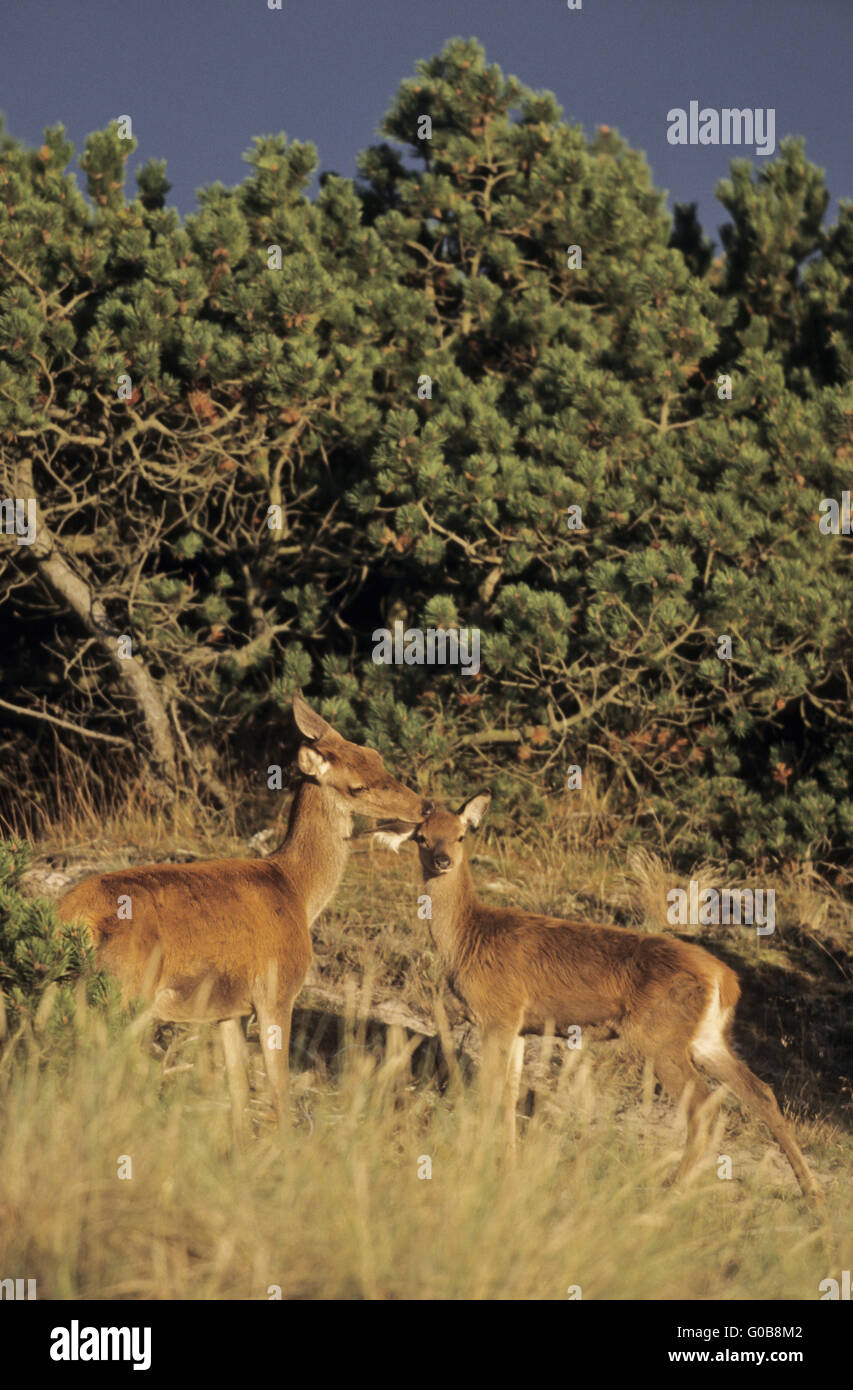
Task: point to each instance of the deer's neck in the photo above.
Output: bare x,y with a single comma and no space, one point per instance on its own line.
315,849
452,904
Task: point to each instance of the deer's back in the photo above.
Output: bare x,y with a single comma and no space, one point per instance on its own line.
227,917
574,973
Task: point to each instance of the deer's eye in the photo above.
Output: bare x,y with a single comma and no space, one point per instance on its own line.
459,838
356,791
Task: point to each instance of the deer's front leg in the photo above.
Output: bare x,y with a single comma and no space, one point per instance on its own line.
500,1072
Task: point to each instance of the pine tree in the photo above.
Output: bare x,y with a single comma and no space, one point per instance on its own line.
490,384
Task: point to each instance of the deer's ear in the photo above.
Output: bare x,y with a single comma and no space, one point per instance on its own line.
311,764
309,724
393,834
473,811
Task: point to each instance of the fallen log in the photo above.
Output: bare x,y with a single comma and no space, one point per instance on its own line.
318,1004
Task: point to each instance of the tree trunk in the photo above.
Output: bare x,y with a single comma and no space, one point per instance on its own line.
76,594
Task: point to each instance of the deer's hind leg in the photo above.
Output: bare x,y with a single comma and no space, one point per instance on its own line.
755,1095
680,1078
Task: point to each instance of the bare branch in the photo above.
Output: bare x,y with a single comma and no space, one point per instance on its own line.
66,724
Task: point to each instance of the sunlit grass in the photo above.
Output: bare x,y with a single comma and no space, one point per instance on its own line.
337,1209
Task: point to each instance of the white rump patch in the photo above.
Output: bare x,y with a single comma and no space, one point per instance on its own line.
708,1043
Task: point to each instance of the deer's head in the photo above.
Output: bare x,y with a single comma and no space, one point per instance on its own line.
439,836
356,776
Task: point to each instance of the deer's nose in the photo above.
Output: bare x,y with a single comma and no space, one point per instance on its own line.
441,861
427,808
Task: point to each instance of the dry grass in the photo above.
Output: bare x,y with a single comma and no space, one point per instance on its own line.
81,816
338,1210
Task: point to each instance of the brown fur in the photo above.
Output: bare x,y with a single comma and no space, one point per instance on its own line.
521,972
213,941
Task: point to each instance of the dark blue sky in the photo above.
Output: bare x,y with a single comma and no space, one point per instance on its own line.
200,78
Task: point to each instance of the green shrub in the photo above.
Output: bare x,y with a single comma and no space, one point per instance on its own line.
44,964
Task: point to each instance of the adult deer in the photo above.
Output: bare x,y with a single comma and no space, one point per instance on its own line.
519,972
211,941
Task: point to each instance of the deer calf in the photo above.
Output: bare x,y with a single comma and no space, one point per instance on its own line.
520,972
214,940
